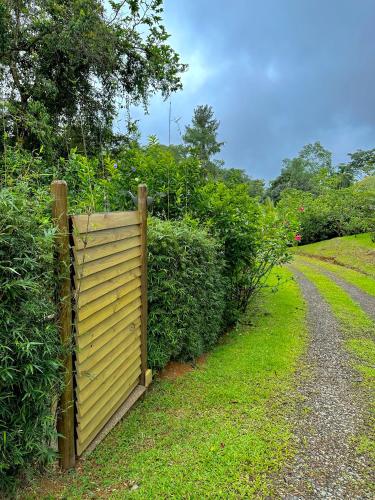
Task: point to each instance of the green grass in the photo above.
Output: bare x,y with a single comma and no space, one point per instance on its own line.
364,351
351,316
362,281
218,431
357,252
359,332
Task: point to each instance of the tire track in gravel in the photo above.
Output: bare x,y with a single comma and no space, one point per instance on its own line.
366,301
326,465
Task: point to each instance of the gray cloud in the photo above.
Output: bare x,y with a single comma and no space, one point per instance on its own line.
279,74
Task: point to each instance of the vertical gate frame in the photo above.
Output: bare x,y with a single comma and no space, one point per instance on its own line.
142,209
65,420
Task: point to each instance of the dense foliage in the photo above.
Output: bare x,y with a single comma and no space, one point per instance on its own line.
67,64
178,187
186,291
333,213
322,200
30,376
304,172
312,171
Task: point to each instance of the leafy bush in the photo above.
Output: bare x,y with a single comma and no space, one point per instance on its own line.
231,216
252,237
186,291
103,184
29,345
171,178
18,165
88,182
333,213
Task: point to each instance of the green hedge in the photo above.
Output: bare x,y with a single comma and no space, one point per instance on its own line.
30,377
186,292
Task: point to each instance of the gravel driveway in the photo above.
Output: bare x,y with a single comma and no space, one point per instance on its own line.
332,412
366,301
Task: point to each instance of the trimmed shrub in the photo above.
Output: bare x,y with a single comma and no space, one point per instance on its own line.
186,292
30,375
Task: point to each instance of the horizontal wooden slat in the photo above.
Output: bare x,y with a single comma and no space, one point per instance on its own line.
83,443
114,334
87,268
89,240
86,223
107,250
87,428
89,254
97,293
109,298
87,420
101,277
135,394
102,382
101,329
102,385
84,326
93,365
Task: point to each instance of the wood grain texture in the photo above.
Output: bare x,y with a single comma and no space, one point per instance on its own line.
100,416
110,324
142,210
112,336
93,366
65,422
87,223
89,240
100,278
83,444
108,381
89,254
115,259
125,297
108,264
110,297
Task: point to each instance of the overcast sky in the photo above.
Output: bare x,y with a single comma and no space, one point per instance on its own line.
278,73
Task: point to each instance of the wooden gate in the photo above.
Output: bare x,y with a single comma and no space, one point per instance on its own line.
109,292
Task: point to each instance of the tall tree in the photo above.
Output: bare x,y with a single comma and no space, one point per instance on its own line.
201,136
305,172
235,176
362,162
65,64
316,157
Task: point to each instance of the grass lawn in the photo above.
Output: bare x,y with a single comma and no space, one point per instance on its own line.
357,252
219,431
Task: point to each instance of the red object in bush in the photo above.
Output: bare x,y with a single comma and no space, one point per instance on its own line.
298,237
301,209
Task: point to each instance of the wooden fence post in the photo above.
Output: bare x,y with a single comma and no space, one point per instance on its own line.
142,209
65,421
